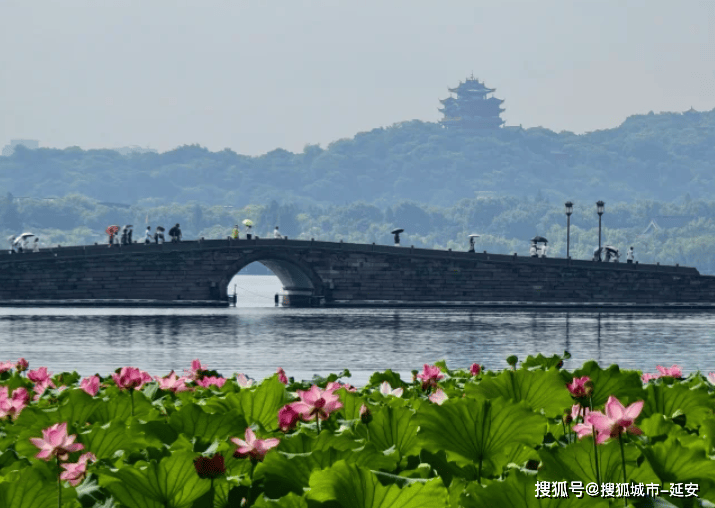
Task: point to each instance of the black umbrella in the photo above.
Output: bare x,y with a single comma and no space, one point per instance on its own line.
611,248
539,239
397,231
160,228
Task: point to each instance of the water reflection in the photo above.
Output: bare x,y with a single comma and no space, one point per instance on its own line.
307,341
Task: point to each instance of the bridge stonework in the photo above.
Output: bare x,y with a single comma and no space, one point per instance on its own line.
334,274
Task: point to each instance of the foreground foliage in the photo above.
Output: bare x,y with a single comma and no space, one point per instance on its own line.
447,437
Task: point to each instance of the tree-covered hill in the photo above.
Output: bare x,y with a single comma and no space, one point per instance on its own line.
654,156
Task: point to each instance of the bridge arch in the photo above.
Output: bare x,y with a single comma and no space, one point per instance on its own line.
297,277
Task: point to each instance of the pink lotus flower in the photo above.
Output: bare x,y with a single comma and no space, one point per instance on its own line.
580,387
196,370
39,375
75,472
6,366
583,430
90,385
316,402
577,410
56,443
438,397
282,376
42,386
617,419
22,365
475,369
647,377
711,377
335,385
430,375
243,381
211,380
288,418
252,447
675,371
173,383
131,377
386,390
12,406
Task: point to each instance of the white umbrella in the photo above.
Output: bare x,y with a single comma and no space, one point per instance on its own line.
247,222
474,236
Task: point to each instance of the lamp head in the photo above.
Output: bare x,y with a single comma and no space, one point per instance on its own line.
599,207
569,207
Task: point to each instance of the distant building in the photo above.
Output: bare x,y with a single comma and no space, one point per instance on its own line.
8,150
667,222
472,108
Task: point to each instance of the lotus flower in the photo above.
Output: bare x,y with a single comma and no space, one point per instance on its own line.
711,377
210,467
131,377
75,472
675,371
173,383
243,381
365,414
647,377
22,365
6,366
90,385
196,370
316,402
41,386
39,375
335,385
282,376
252,447
475,369
288,418
56,443
617,419
438,397
580,387
430,375
12,406
211,380
582,429
386,389
578,410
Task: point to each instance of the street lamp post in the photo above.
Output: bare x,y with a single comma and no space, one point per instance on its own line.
599,210
569,211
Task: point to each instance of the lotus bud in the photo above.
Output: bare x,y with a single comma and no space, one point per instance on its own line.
365,414
210,467
512,360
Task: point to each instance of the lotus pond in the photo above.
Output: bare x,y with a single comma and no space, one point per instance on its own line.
532,434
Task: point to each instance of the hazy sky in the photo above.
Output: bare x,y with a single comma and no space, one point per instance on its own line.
255,76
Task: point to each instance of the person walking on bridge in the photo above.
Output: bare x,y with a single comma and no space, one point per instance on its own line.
147,235
533,251
175,233
629,255
235,233
277,234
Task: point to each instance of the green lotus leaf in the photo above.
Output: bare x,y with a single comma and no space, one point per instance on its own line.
78,407
172,483
193,421
290,501
519,489
446,469
707,432
262,404
575,462
674,462
285,473
351,404
105,440
671,401
544,362
625,386
353,486
477,431
28,489
391,377
120,408
392,425
539,389
153,433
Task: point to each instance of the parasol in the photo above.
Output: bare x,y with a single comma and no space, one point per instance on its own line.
397,231
473,236
128,226
10,238
539,239
248,222
160,228
610,247
112,230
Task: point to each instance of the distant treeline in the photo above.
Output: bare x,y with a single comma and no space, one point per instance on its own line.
654,156
682,232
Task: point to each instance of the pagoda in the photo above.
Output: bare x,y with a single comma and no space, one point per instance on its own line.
472,108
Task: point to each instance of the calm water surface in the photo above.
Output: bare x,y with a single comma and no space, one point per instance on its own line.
256,337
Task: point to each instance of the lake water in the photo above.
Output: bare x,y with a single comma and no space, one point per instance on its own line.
256,337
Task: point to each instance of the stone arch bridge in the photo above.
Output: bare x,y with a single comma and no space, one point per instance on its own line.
333,274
